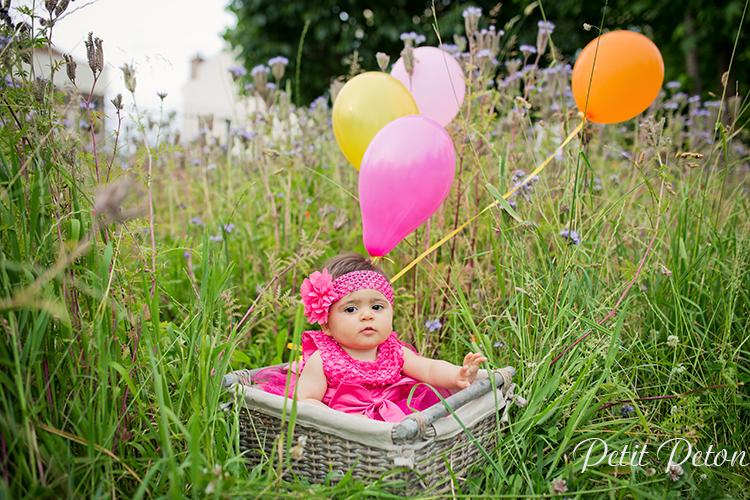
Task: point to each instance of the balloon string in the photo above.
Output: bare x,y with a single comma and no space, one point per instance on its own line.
494,203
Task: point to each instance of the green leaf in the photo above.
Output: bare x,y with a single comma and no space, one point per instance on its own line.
683,253
240,357
503,202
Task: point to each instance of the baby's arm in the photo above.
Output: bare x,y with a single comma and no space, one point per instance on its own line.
441,373
312,383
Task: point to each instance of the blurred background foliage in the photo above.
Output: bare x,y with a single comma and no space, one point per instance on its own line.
696,37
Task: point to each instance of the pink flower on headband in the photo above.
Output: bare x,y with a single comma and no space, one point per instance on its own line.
318,295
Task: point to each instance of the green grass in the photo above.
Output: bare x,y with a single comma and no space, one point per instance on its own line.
113,347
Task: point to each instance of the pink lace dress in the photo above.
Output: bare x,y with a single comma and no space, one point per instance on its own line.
376,389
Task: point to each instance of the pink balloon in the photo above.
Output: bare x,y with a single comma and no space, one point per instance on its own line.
406,173
437,83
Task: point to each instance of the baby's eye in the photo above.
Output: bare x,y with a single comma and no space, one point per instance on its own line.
350,309
377,307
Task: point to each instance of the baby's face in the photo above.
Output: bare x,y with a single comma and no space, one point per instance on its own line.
361,320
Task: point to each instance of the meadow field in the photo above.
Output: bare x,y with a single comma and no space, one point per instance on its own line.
137,270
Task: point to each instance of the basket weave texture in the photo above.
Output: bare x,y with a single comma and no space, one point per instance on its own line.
337,442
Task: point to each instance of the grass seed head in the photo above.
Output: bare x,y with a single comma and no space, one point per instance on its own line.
50,5
61,7
94,54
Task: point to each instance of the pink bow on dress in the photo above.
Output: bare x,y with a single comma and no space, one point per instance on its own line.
377,404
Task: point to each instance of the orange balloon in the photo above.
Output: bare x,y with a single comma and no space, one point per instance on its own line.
627,76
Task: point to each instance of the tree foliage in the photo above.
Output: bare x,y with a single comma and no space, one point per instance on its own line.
268,29
695,37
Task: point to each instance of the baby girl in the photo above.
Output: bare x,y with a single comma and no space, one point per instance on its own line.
356,364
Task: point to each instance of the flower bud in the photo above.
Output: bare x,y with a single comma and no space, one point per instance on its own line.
460,42
542,37
278,66
471,19
117,102
383,60
128,74
408,55
260,78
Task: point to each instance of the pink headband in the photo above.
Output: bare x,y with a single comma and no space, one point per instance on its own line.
320,290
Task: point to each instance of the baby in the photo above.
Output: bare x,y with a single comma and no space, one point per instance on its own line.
356,364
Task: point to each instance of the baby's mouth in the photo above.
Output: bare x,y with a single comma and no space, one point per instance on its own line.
368,329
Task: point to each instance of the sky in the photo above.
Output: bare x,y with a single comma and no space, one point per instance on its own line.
158,37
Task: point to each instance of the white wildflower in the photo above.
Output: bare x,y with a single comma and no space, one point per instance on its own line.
675,471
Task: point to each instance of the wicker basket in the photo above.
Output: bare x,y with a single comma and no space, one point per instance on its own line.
424,450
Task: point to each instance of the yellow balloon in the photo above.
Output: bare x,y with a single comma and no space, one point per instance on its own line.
367,103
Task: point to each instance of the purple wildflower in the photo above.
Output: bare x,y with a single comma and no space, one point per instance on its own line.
627,410
571,236
433,325
10,83
546,27
319,103
237,71
278,60
411,39
259,69
473,11
247,136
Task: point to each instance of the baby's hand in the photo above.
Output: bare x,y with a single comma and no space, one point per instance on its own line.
468,371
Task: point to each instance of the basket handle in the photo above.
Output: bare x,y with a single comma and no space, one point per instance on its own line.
245,377
415,425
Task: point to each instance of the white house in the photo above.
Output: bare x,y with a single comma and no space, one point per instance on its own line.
211,91
47,58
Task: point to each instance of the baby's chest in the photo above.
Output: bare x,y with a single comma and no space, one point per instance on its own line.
371,375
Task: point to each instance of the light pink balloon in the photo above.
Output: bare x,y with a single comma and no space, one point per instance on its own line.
437,83
406,173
